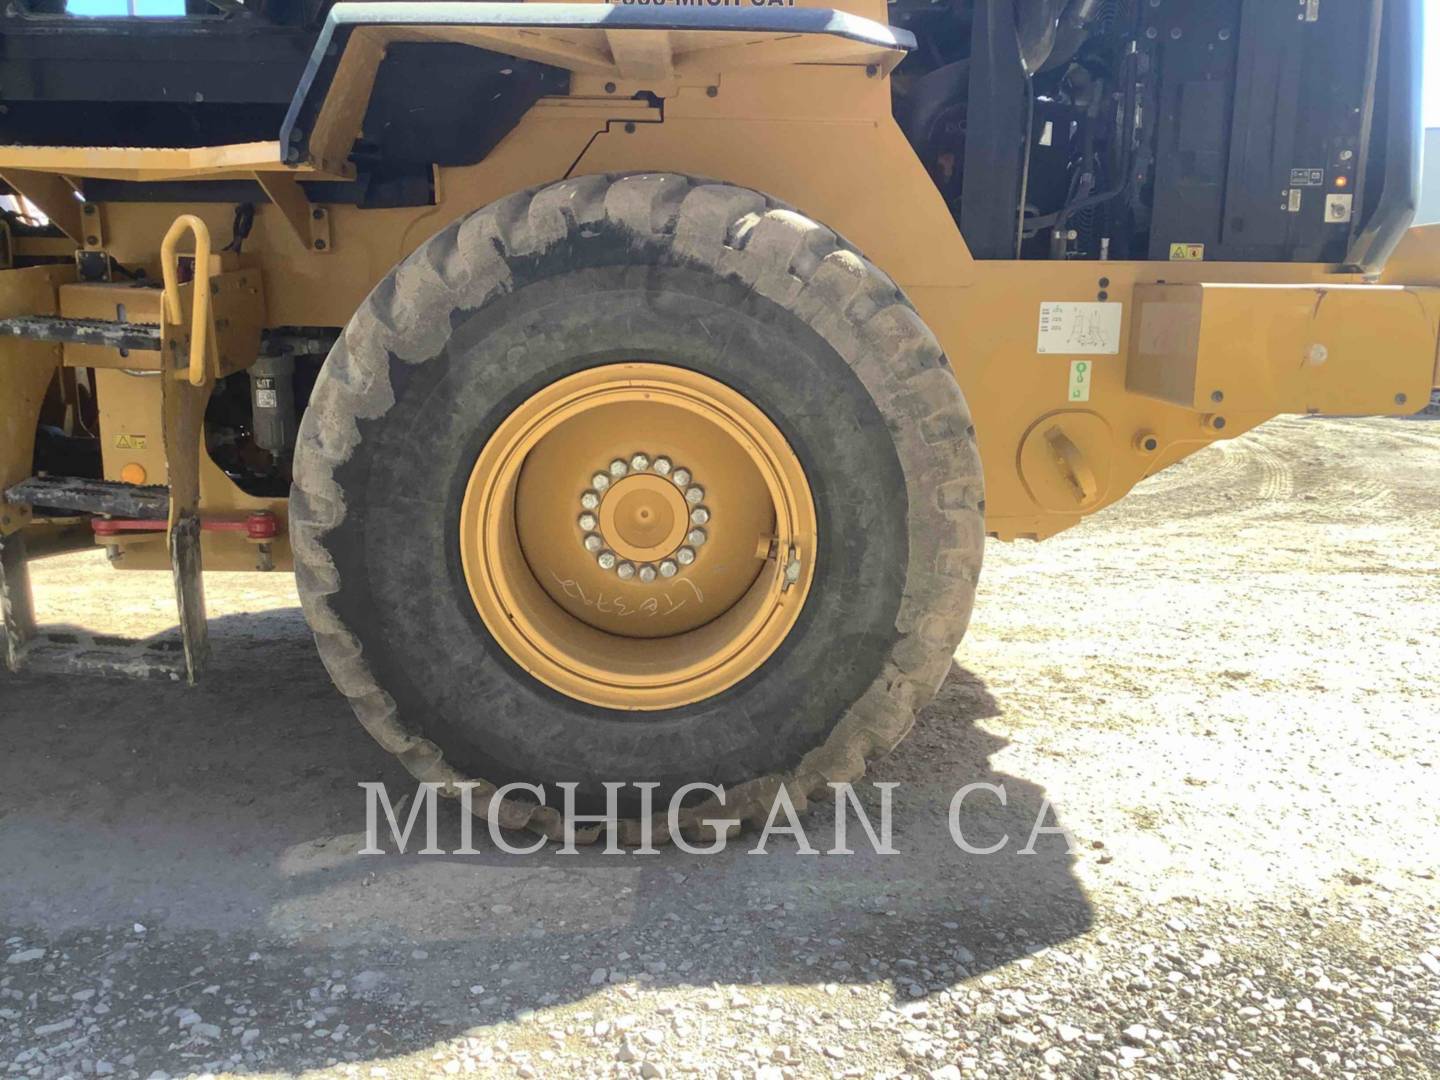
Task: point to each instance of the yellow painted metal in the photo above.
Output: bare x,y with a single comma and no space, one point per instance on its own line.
48,190
657,58
629,643
131,427
1282,348
26,370
204,359
813,128
235,161
114,301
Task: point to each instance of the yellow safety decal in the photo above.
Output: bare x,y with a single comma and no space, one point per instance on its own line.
1187,252
130,442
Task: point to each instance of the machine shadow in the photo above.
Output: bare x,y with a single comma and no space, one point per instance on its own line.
227,820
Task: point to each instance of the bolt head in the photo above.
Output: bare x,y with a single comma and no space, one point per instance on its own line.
695,496
695,537
618,468
625,571
646,573
600,481
668,569
640,462
699,516
607,560
593,543
685,556
590,500
662,466
792,571
587,522
681,477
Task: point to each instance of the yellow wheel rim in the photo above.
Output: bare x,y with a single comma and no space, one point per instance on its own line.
638,536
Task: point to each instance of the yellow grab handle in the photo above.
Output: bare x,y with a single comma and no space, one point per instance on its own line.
170,269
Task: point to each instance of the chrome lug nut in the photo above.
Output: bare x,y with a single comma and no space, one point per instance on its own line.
618,468
695,495
626,571
668,568
681,477
600,481
587,522
662,466
695,537
699,516
593,543
606,559
639,463
685,556
590,500
647,573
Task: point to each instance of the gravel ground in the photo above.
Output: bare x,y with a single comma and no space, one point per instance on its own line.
1223,687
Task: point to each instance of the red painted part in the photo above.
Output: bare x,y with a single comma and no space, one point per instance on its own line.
260,526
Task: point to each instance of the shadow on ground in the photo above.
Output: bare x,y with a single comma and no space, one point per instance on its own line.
197,850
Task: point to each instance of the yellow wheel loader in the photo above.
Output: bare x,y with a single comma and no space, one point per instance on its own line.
632,386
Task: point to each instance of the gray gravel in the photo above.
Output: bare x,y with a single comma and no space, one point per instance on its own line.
1223,687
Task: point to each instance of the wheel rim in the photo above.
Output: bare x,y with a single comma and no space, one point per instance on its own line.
638,536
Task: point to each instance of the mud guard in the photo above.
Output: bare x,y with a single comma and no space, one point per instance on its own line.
592,38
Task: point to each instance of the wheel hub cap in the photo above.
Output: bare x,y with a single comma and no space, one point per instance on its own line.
638,576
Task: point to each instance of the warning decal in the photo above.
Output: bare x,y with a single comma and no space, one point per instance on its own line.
1187,252
1079,329
130,442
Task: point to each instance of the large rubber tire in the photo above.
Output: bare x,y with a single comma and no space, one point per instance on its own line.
665,269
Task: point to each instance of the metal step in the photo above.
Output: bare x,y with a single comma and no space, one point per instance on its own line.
78,652
28,647
103,332
150,502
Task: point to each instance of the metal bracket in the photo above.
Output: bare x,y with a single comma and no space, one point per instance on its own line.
53,194
310,224
92,261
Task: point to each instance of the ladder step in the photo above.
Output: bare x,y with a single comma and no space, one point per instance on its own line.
79,653
106,333
150,502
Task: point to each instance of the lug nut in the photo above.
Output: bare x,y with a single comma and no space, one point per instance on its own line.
662,466
792,571
626,571
588,522
695,537
600,481
590,500
668,568
606,559
618,468
681,476
639,463
685,556
695,495
593,543
647,573
699,516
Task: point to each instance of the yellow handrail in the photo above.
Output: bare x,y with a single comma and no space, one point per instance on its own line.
170,269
